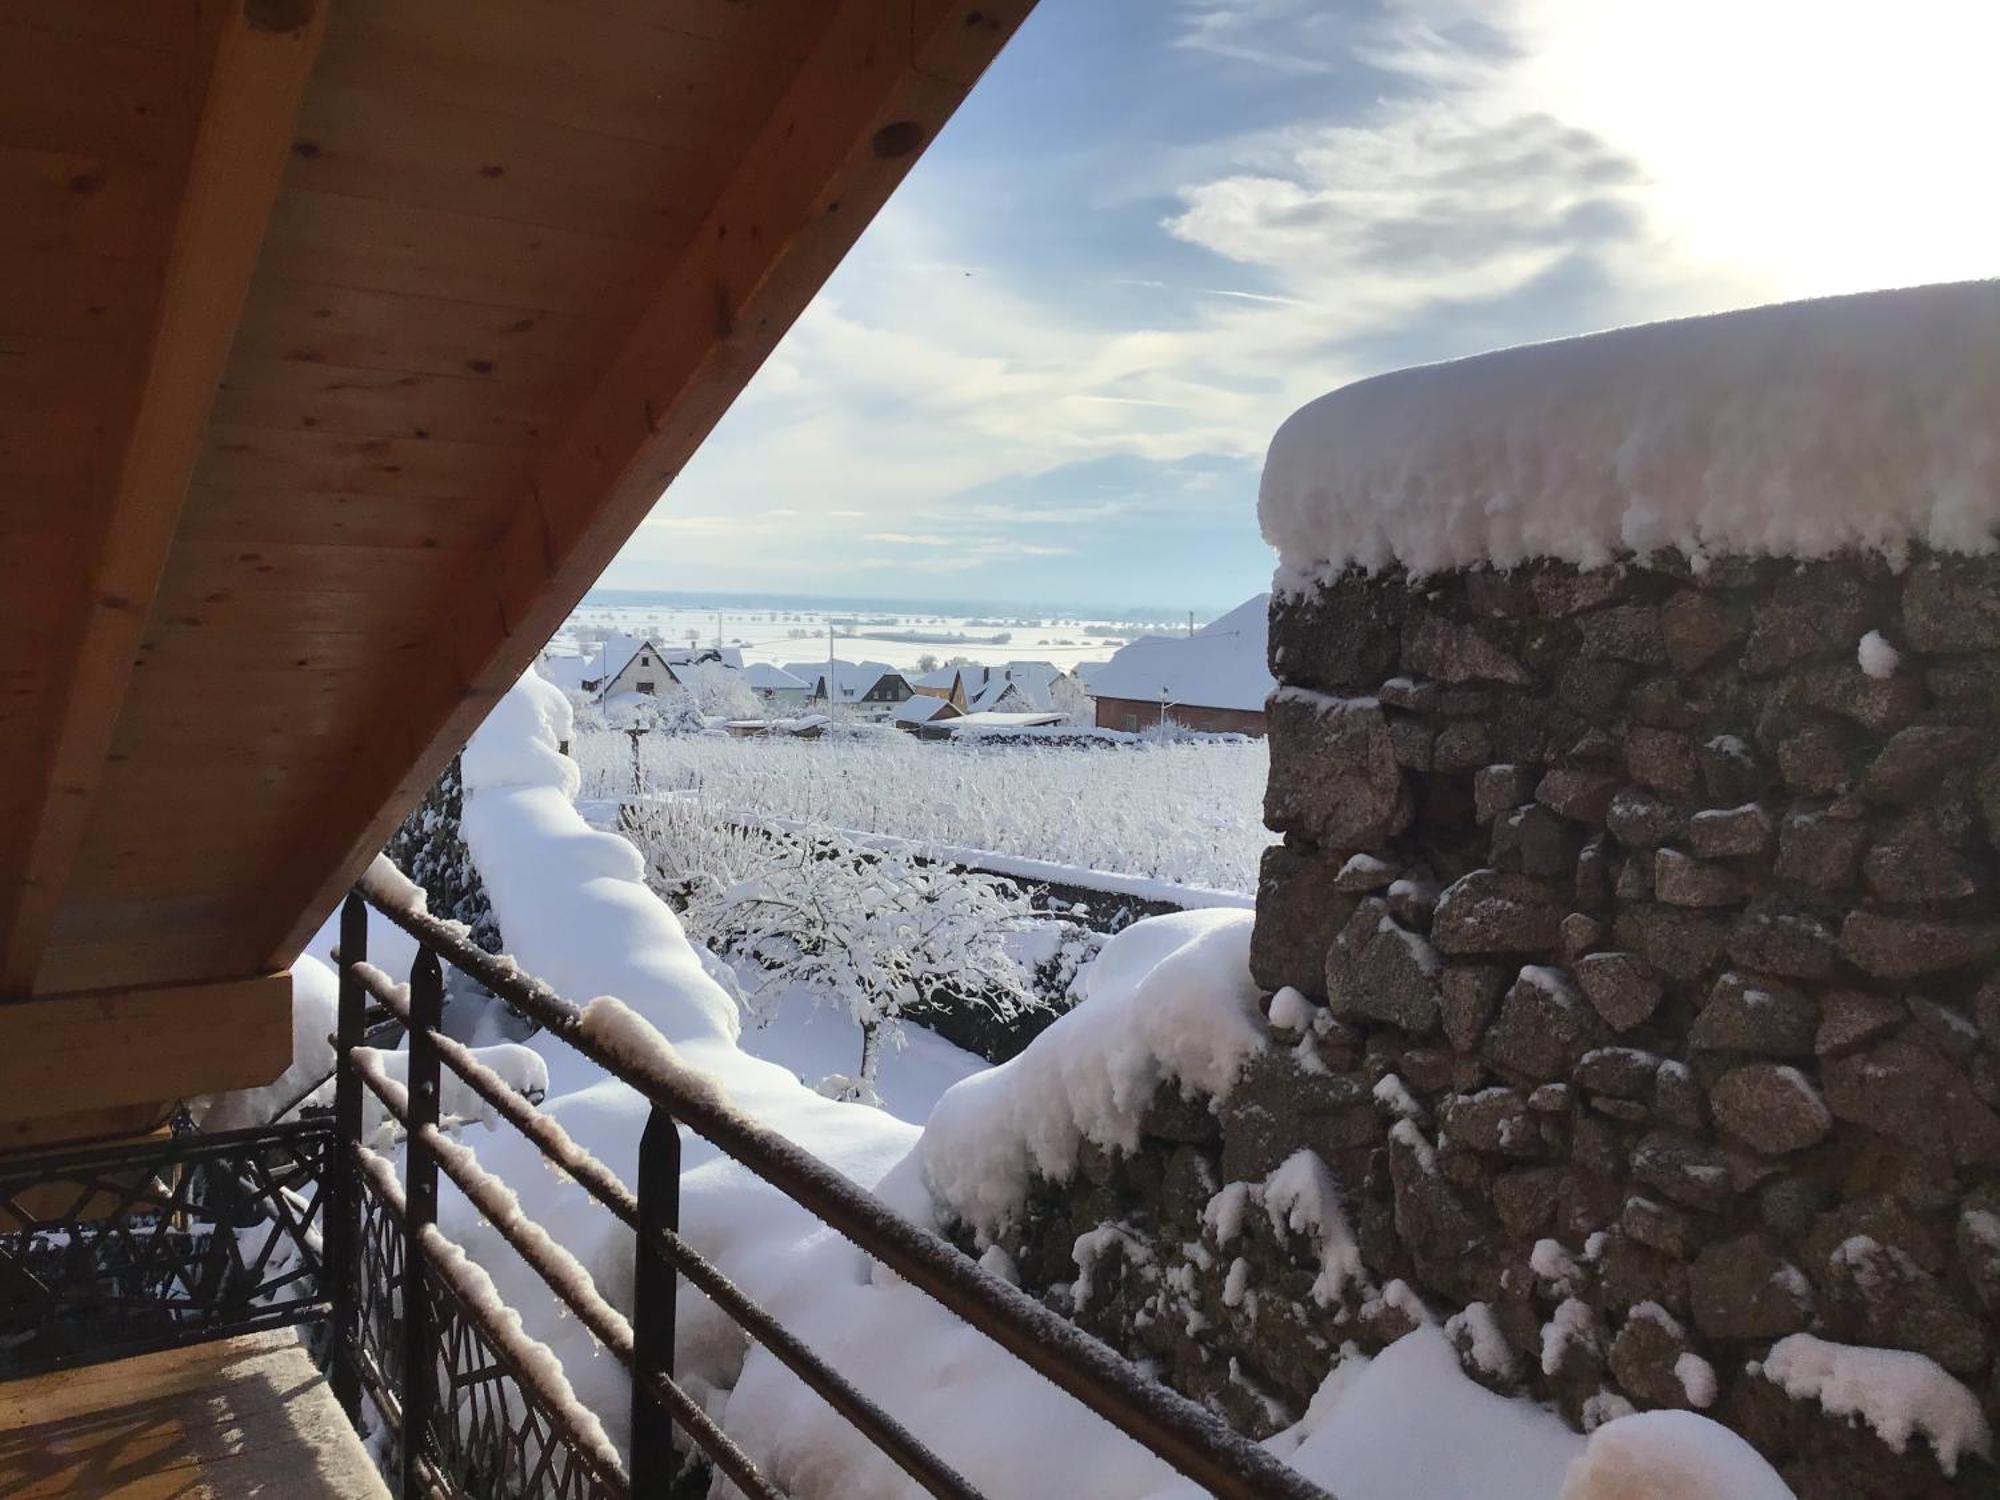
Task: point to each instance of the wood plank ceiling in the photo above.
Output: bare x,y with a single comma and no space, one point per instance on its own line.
342,342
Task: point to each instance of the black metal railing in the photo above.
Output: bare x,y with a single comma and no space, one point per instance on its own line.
122,1249
476,1415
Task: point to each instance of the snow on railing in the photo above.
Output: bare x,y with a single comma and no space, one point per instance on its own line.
1187,1436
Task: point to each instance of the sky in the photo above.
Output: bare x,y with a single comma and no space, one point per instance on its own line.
1048,372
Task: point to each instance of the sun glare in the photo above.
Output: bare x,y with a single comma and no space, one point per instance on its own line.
1809,148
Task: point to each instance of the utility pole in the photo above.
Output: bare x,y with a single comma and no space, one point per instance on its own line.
829,666
1190,624
718,630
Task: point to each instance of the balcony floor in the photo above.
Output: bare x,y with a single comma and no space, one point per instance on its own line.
241,1417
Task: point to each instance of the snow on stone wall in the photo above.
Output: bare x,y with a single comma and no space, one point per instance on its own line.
1801,430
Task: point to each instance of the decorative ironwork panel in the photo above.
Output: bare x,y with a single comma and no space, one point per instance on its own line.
489,1438
381,1282
115,1250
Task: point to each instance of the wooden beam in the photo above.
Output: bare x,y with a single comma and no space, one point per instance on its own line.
880,83
263,56
101,1050
89,1127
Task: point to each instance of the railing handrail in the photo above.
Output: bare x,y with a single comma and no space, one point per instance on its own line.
1187,1436
625,1205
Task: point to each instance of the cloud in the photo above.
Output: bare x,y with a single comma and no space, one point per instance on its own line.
997,547
1284,36
1255,201
1430,204
972,555
697,525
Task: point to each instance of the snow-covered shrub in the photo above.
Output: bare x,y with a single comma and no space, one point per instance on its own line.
676,711
690,852
877,932
1067,697
720,692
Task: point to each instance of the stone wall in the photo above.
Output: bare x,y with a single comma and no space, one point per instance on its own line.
1636,980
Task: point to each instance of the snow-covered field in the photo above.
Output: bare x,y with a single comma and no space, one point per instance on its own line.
900,638
1191,813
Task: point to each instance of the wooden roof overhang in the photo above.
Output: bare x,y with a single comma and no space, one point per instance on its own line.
342,343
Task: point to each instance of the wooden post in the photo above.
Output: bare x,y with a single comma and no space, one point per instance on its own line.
420,1191
654,1287
342,1263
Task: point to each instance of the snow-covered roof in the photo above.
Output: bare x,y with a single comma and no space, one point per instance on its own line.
1222,665
922,709
994,692
1033,682
1796,430
566,672
852,680
1085,671
614,655
767,678
1043,672
1035,679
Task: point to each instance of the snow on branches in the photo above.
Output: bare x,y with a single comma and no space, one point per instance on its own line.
876,931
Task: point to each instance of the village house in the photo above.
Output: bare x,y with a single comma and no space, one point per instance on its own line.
1215,680
947,683
922,708
1022,686
775,686
628,664
637,664
872,689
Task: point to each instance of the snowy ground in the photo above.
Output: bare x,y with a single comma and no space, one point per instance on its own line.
817,1040
1191,813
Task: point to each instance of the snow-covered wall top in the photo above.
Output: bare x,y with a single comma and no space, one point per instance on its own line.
1798,430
